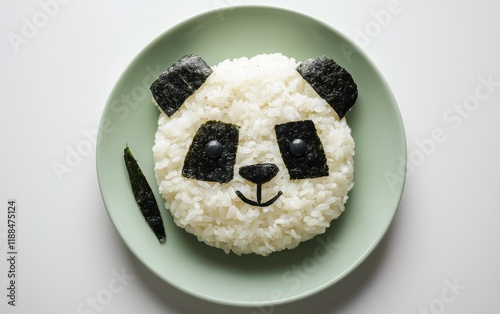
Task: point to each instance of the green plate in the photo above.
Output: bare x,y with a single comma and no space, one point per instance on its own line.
208,273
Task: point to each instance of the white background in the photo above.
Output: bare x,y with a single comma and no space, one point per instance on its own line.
442,252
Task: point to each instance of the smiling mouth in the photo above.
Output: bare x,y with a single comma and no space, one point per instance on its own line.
258,203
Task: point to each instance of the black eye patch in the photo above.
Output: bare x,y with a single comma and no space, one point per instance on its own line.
301,150
212,153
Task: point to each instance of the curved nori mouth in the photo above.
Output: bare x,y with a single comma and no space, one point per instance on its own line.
258,203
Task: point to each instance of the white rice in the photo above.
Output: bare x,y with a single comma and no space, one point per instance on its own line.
255,94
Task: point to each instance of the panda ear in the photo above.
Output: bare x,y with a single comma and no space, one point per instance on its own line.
331,81
179,81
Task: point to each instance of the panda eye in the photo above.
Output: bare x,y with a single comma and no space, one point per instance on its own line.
298,147
301,149
212,153
213,149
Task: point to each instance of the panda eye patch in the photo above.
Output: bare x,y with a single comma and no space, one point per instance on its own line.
301,149
212,153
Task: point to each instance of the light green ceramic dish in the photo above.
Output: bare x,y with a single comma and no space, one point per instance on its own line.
208,273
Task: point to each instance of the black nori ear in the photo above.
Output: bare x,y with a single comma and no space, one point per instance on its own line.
331,81
179,82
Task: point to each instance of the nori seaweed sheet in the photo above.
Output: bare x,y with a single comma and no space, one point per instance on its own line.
312,164
331,81
200,165
144,195
179,81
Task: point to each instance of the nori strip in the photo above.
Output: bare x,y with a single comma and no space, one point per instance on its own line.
331,81
144,195
201,164
179,81
312,163
258,203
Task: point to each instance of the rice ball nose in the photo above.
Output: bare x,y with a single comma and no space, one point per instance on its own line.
259,173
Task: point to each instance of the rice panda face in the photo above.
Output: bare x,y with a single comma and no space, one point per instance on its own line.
253,159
